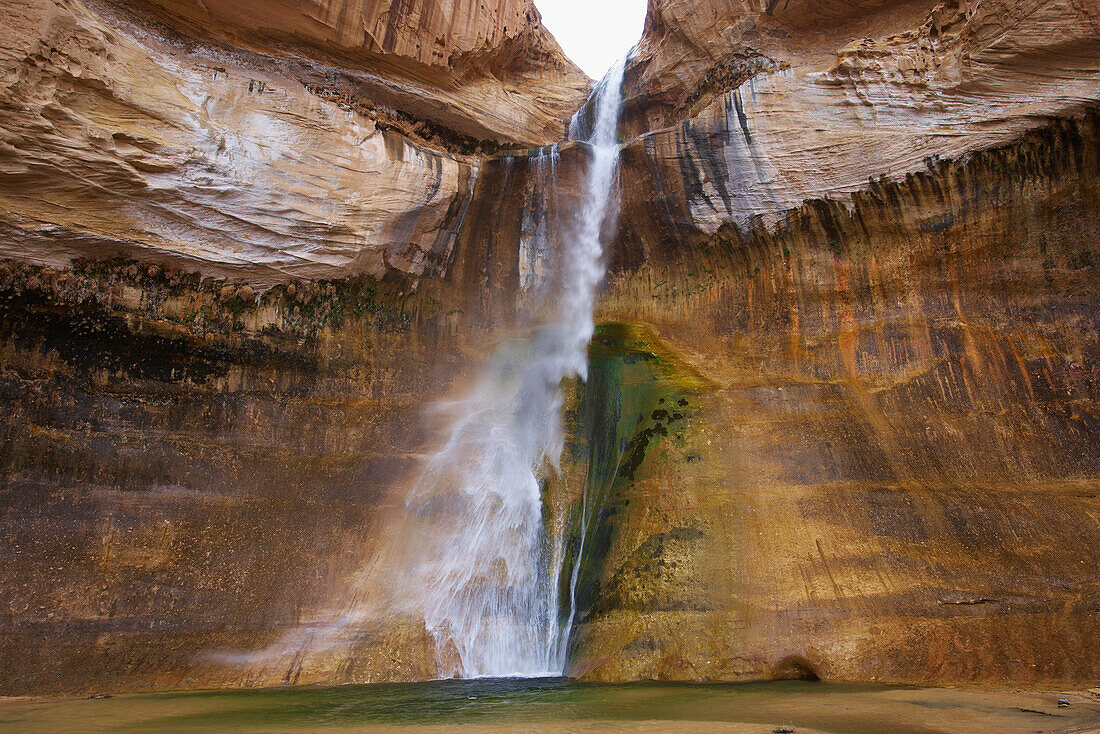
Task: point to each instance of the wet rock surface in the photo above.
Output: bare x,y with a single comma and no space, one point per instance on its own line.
894,465
858,242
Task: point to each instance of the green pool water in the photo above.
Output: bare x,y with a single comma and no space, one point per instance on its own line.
562,705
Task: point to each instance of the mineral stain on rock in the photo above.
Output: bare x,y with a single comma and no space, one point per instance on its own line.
88,338
627,440
842,411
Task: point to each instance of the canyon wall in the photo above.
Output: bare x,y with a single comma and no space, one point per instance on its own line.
875,455
200,480
234,275
121,136
841,415
860,243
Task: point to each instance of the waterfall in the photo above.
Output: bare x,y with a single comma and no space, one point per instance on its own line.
486,575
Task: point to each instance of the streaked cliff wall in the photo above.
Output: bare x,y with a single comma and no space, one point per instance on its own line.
121,136
891,471
858,243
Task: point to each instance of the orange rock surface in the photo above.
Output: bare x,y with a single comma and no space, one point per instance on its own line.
244,246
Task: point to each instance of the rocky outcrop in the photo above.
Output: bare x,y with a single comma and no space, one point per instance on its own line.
123,139
861,284
869,449
777,110
844,398
487,72
191,471
196,476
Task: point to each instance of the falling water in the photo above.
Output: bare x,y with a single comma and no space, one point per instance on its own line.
486,582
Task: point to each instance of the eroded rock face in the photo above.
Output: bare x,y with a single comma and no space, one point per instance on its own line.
876,453
488,71
198,479
819,224
258,165
192,472
801,100
843,403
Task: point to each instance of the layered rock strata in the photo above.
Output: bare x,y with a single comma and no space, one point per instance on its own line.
124,139
875,456
490,72
882,445
842,411
198,480
776,109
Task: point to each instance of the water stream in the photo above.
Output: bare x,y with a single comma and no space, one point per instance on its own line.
486,581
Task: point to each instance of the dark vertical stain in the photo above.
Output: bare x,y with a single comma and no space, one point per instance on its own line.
693,186
396,15
662,195
742,118
711,162
446,241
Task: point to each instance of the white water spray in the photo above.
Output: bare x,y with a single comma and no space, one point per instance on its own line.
486,578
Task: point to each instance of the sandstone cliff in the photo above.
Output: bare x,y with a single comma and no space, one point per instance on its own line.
843,405
121,137
874,453
474,69
867,285
799,100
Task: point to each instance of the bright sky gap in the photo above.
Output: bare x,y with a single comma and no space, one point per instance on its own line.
594,33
